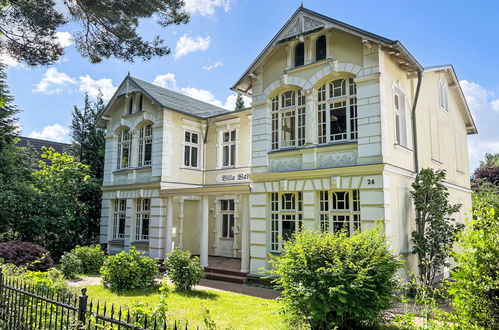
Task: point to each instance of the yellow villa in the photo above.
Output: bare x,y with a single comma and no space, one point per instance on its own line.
341,120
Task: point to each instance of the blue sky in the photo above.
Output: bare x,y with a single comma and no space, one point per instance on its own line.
224,36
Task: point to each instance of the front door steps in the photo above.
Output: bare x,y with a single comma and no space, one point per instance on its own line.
225,275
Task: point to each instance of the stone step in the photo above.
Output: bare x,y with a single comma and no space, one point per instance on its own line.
225,277
224,271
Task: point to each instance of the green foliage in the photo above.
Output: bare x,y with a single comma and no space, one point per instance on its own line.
128,270
91,258
332,280
239,102
107,28
51,280
8,111
183,270
435,230
70,266
475,284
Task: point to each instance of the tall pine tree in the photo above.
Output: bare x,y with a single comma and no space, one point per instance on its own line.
8,112
239,102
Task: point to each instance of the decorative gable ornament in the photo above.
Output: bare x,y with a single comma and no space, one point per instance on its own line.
302,25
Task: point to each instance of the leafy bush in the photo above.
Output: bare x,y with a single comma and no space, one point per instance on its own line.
332,280
51,280
70,266
27,254
183,270
128,270
475,284
91,258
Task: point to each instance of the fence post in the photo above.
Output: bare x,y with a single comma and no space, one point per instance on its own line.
82,306
1,284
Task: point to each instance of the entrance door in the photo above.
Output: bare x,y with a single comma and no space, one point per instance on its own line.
227,228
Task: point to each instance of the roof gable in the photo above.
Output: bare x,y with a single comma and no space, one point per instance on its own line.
305,21
164,98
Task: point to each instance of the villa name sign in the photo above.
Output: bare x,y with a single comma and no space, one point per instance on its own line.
233,177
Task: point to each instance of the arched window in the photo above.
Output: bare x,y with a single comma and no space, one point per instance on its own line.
288,119
320,48
130,105
145,145
299,54
337,111
124,148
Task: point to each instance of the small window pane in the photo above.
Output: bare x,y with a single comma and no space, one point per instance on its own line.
320,48
226,137
194,157
187,137
299,54
233,135
194,137
233,154
187,155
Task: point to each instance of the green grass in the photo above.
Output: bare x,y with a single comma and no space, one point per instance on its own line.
228,310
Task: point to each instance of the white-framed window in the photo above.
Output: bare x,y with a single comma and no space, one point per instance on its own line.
228,148
191,149
142,217
119,216
288,120
145,145
337,111
320,48
130,104
339,210
227,214
286,210
124,149
299,54
442,95
400,121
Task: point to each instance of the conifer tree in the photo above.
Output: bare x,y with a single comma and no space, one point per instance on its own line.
8,112
239,102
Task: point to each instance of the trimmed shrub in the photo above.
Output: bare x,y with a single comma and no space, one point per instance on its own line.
183,270
26,254
332,280
128,270
91,258
70,266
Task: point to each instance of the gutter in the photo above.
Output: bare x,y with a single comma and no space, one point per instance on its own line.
414,130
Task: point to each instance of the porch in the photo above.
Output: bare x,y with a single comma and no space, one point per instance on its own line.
225,269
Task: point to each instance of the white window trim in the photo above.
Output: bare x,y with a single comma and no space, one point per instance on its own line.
277,216
142,141
402,115
298,109
350,101
140,215
326,217
199,147
443,95
117,213
227,126
120,147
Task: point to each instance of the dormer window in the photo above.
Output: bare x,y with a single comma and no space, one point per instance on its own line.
320,48
442,95
299,54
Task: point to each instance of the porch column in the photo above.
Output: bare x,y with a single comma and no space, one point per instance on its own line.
245,237
169,224
203,239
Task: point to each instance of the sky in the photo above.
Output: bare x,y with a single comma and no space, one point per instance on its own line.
223,37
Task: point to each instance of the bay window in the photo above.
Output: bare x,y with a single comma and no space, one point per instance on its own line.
286,210
337,111
339,210
288,119
145,145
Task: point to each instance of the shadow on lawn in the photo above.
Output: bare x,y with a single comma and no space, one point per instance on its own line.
201,294
140,292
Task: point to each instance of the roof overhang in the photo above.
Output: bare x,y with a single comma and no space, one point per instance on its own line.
455,85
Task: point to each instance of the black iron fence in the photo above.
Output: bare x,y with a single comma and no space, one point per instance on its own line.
25,306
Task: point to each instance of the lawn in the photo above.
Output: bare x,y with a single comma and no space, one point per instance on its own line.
228,310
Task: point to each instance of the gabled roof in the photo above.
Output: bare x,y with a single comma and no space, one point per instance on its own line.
448,68
38,144
305,21
164,98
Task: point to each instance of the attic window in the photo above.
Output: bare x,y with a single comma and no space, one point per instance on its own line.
299,54
130,105
320,48
141,101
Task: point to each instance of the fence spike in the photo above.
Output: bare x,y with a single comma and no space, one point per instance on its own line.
98,306
112,310
105,307
155,322
128,316
145,321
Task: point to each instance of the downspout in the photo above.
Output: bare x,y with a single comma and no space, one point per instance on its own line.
414,131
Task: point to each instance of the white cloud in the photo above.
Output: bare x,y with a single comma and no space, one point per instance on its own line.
212,66
186,45
92,86
166,80
495,105
54,82
9,60
206,7
54,132
65,38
